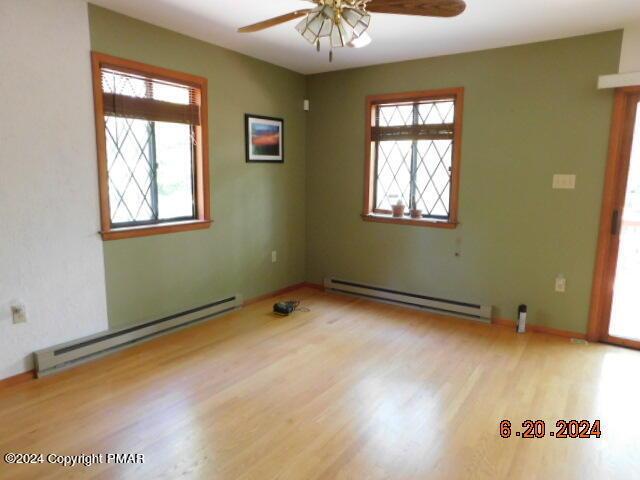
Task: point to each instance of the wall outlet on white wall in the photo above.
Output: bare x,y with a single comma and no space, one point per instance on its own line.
19,313
274,256
561,284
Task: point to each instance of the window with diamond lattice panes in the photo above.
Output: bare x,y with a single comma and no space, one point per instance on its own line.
413,158
152,148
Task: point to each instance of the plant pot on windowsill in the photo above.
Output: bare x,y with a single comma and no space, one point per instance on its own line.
415,213
398,210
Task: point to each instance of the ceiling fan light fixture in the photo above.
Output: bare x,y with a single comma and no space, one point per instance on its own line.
327,25
310,36
339,35
316,24
357,19
351,16
359,29
362,25
306,29
354,16
362,41
340,25
346,22
301,27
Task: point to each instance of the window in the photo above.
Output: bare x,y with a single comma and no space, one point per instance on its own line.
413,157
151,126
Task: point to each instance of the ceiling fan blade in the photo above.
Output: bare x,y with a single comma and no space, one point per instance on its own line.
272,22
427,8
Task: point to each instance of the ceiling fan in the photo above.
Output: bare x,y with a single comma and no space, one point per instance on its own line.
345,22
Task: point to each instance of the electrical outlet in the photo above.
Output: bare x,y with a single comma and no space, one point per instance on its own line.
274,256
19,313
561,284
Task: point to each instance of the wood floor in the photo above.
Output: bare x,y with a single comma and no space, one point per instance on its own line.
349,390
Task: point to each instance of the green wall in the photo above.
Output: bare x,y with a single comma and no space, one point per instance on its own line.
256,208
530,111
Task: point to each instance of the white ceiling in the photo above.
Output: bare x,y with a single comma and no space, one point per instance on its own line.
485,24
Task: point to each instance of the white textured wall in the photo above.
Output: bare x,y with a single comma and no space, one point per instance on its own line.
50,254
630,53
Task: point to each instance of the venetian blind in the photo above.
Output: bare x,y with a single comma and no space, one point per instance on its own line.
423,120
133,95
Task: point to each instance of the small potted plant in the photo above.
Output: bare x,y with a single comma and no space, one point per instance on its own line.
398,209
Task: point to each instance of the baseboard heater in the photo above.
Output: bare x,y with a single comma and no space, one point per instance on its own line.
414,300
68,354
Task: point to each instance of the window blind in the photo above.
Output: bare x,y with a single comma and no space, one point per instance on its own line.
425,120
413,132
133,95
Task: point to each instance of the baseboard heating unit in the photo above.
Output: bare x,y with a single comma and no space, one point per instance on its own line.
68,354
438,305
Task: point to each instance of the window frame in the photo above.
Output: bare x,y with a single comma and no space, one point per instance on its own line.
370,213
202,194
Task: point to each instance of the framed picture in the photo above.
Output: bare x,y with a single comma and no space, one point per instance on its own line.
264,138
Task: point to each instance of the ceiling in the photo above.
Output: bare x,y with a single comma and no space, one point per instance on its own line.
485,24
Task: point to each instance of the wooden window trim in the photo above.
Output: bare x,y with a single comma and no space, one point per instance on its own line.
416,222
202,171
369,213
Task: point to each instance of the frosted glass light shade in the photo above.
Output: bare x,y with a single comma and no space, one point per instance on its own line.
339,36
340,28
362,41
362,25
316,24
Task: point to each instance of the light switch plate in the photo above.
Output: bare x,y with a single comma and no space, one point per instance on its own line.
19,313
564,181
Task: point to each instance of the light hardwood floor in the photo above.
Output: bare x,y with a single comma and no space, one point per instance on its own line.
349,390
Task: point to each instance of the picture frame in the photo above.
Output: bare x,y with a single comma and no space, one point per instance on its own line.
264,139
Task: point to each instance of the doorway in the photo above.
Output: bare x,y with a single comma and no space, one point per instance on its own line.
615,310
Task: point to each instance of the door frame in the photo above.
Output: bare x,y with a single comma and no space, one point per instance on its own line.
615,185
